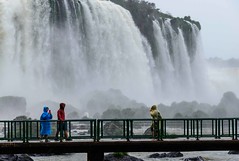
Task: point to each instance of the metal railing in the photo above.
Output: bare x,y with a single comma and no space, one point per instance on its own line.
128,129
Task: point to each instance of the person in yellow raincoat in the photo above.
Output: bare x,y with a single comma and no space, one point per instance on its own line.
156,123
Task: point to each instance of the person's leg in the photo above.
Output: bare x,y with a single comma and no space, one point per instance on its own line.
46,138
41,137
66,134
57,132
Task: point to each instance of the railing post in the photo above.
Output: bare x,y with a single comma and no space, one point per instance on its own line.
30,130
222,125
95,130
127,134
69,129
201,130
161,130
8,131
213,127
11,131
124,128
197,134
193,121
27,130
187,129
165,131
236,128
37,133
233,135
219,128
5,130
191,128
98,130
184,129
24,132
20,129
131,129
92,130
216,128
15,129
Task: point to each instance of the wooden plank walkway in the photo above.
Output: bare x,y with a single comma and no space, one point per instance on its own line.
95,150
118,146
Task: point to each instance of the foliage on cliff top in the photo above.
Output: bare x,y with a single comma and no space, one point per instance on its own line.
141,9
145,13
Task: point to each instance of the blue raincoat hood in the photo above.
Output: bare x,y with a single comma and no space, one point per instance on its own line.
45,109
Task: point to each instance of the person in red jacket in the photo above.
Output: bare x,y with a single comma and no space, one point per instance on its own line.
61,124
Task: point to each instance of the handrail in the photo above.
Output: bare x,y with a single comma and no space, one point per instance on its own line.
128,129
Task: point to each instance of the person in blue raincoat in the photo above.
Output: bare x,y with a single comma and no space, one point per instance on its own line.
45,129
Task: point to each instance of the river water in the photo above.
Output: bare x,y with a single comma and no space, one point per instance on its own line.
207,155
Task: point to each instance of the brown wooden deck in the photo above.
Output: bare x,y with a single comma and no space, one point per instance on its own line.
96,150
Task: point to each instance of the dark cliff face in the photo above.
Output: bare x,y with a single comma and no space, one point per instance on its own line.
144,13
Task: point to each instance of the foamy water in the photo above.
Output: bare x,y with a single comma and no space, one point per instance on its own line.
208,155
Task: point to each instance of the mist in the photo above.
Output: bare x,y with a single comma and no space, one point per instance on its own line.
223,75
72,53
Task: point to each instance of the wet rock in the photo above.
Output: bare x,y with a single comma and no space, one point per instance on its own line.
164,155
199,158
113,128
157,155
15,157
111,157
174,154
148,131
233,152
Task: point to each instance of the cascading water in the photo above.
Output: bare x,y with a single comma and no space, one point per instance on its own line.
199,70
61,50
58,56
182,76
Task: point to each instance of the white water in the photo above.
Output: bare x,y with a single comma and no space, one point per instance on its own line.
93,46
209,155
63,63
182,77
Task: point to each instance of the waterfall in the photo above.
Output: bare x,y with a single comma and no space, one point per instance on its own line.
163,62
180,67
60,50
61,57
199,71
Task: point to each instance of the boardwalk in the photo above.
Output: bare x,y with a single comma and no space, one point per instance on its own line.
96,150
95,137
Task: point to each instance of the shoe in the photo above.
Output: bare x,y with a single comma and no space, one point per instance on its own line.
68,139
56,139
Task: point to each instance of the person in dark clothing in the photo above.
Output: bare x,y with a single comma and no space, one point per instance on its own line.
61,124
45,129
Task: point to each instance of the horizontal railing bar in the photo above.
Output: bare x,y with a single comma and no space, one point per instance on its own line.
96,129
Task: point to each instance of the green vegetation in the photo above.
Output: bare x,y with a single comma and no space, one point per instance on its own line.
120,154
126,113
144,13
22,118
